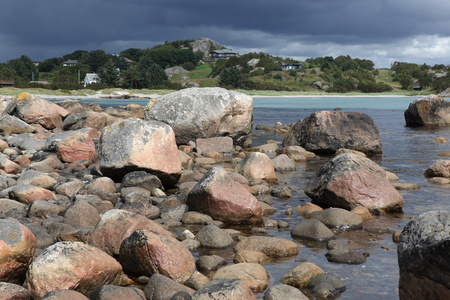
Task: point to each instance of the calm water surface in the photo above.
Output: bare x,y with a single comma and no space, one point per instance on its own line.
406,151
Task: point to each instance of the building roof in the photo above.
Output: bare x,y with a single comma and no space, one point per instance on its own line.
70,62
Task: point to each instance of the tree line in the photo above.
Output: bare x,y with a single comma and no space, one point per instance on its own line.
144,68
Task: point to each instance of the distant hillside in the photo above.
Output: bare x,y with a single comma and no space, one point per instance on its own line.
189,63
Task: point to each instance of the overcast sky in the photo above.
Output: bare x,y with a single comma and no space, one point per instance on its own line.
383,31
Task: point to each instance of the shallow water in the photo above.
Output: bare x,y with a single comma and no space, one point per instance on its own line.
406,151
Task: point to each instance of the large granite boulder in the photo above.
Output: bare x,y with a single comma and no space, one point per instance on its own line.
424,257
325,132
203,113
146,252
74,266
17,246
431,110
137,145
35,110
349,180
224,199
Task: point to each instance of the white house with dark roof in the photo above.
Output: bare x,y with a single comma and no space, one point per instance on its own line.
70,63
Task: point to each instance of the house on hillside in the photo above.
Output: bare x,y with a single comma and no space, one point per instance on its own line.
90,78
223,54
70,63
287,67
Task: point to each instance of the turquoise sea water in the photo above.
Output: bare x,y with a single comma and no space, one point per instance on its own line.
406,151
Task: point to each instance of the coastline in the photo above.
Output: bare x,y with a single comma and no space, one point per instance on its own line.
149,94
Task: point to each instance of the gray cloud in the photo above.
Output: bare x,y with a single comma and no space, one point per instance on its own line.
380,30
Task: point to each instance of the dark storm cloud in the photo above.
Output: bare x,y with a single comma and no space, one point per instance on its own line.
379,29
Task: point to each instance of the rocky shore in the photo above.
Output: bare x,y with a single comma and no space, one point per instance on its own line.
112,203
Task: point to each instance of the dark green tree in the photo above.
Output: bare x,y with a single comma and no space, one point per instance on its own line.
95,59
49,64
231,77
109,73
24,67
6,73
133,78
405,80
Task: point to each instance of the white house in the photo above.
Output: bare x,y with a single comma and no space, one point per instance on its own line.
91,78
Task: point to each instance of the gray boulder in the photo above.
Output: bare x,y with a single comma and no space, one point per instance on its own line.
345,256
311,229
208,263
112,292
203,113
11,124
325,132
338,218
431,110
350,180
212,236
160,287
12,291
285,292
326,286
424,257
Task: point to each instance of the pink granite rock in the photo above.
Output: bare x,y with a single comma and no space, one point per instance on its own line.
137,145
27,193
349,180
17,246
146,252
224,199
35,110
74,266
116,225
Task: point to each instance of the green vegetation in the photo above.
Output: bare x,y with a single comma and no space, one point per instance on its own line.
137,69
